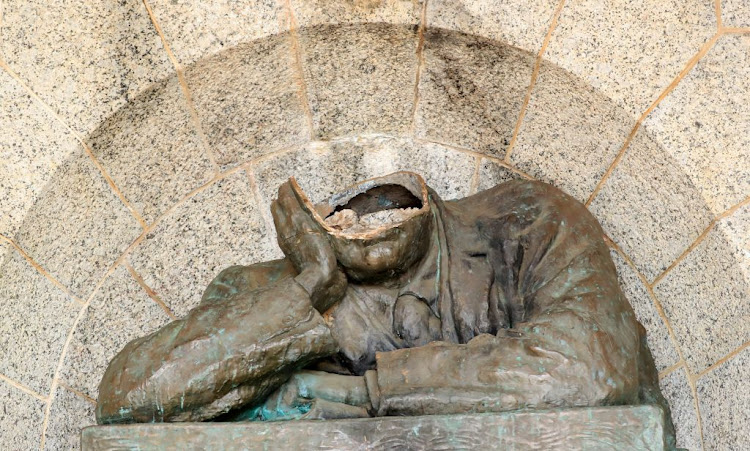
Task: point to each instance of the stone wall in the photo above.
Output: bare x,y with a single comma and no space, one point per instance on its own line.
141,143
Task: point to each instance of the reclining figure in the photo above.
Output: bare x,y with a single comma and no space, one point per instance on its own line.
391,301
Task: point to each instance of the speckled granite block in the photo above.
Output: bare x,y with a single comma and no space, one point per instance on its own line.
648,209
471,91
249,100
317,12
21,421
35,318
571,133
705,123
630,51
120,312
78,227
84,59
196,29
152,150
735,13
219,227
705,298
32,146
736,229
323,168
359,78
676,390
491,174
662,348
725,402
68,414
520,23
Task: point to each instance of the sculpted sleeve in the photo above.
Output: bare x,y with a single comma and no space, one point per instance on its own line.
222,355
572,338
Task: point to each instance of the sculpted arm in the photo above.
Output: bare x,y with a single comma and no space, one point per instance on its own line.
253,329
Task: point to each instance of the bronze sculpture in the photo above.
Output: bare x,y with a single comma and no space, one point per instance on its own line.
505,300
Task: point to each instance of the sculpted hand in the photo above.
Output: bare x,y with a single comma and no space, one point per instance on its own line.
317,395
306,244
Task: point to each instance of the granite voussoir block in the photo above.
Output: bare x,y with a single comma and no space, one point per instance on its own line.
630,51
218,227
661,346
197,30
152,150
724,399
705,298
68,415
78,227
309,13
35,318
85,60
649,208
676,390
32,146
359,78
22,418
520,23
471,91
705,123
249,100
570,134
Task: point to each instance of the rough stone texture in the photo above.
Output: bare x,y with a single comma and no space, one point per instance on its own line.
736,229
323,168
636,428
662,348
648,207
68,414
676,389
630,51
317,12
78,227
32,146
552,145
120,312
249,100
724,403
84,59
35,317
152,151
471,91
520,23
705,298
197,29
359,78
735,13
219,227
705,123
21,421
491,173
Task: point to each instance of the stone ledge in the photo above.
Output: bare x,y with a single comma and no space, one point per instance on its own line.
629,427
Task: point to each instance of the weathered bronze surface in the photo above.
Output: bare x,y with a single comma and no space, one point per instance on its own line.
505,300
628,428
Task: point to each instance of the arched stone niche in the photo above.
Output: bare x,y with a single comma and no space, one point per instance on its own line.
175,190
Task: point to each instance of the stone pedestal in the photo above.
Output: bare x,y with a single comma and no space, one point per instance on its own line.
605,428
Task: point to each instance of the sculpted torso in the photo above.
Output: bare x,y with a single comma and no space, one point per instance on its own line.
504,300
